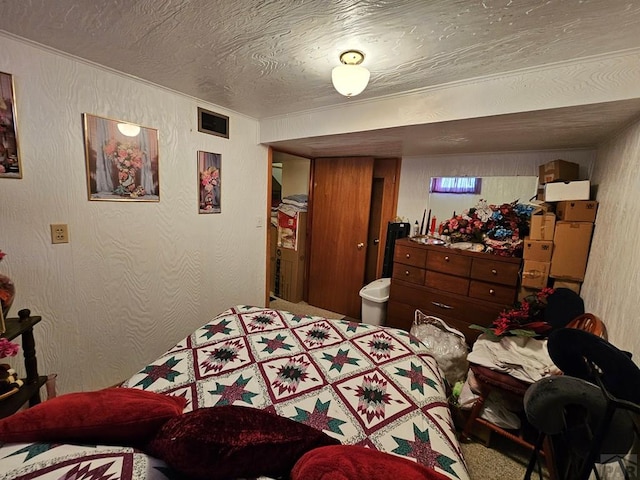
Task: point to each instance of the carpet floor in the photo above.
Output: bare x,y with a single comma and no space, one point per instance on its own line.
501,460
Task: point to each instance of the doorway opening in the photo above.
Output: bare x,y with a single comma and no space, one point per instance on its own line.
296,236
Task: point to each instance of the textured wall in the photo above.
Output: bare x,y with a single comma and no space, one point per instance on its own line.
136,277
612,285
612,282
417,171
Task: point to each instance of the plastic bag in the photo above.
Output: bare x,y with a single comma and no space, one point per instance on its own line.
447,345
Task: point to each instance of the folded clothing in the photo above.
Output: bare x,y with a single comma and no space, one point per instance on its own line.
524,358
298,197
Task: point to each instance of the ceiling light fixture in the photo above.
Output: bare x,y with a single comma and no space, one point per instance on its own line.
129,129
350,79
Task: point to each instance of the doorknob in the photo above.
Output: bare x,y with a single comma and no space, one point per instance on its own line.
376,241
360,246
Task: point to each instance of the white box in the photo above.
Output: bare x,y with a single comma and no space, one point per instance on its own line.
560,191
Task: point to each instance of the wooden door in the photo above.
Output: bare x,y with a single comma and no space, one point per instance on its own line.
340,202
373,236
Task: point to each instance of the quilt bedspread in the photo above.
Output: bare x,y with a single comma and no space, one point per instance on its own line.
362,384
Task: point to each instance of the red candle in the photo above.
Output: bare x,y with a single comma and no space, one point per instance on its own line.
433,225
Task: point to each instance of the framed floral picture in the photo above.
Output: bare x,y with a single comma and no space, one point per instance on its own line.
209,182
122,160
9,155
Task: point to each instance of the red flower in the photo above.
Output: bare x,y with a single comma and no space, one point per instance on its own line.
525,318
8,348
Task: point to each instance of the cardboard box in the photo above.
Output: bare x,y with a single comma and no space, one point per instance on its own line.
570,284
538,250
577,211
542,226
559,191
558,171
535,274
571,243
542,207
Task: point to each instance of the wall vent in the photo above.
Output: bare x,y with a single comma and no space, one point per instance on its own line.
213,123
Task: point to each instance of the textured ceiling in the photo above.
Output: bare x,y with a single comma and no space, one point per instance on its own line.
266,58
555,129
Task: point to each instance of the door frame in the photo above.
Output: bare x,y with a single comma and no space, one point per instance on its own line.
391,175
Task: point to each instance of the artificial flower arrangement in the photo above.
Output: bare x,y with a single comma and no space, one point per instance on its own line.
501,228
7,289
524,319
127,158
8,348
9,381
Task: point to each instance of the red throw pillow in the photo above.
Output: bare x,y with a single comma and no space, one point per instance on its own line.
113,416
350,462
233,441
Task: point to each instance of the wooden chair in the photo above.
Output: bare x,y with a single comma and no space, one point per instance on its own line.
490,380
589,323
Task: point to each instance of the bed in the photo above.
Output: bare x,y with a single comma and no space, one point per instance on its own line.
365,385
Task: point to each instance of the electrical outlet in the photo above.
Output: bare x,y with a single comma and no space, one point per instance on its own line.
59,233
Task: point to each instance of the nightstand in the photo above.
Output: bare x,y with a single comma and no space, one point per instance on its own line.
30,391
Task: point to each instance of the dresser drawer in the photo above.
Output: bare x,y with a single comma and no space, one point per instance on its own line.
408,273
494,271
448,262
460,287
441,304
492,292
401,315
409,256
447,283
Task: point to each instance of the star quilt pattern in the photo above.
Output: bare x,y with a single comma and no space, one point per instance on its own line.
362,384
365,385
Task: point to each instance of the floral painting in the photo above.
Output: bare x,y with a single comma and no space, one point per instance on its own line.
122,160
9,156
209,182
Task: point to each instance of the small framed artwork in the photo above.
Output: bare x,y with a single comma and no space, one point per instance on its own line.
9,155
122,160
209,182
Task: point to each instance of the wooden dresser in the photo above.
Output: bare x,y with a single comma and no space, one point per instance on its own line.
460,287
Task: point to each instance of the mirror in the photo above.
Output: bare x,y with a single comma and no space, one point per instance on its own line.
495,190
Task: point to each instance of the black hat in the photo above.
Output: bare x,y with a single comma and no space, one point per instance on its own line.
563,305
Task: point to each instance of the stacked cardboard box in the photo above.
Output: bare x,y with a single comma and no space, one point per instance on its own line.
556,172
558,243
538,249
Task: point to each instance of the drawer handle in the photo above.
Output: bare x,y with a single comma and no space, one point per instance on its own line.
442,305
446,259
494,271
492,291
406,272
408,255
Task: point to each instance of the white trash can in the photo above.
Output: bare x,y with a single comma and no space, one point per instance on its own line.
374,301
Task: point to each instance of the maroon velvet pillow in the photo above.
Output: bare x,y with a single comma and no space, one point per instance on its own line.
233,441
113,416
350,462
